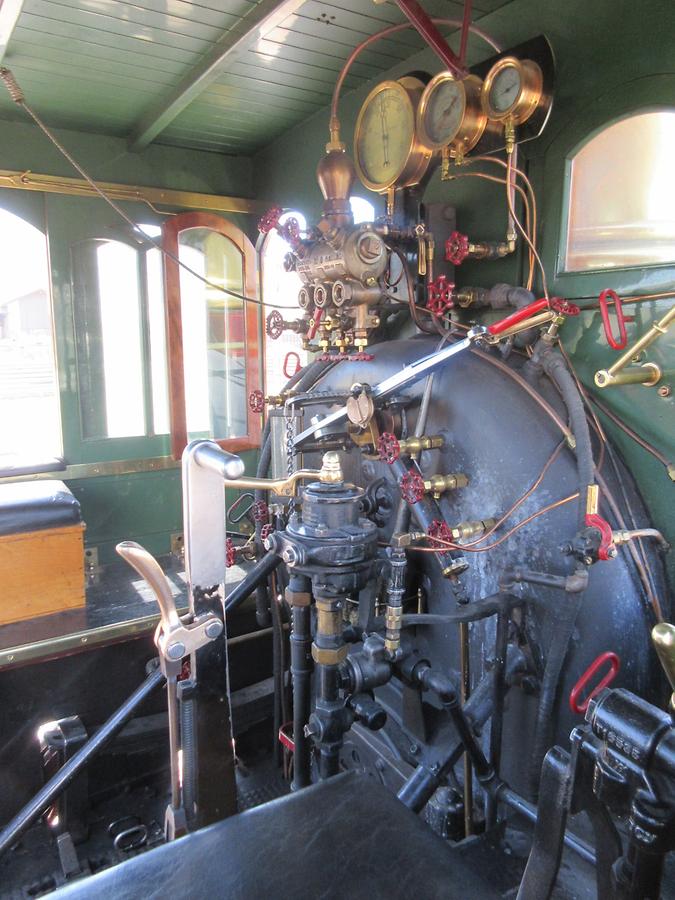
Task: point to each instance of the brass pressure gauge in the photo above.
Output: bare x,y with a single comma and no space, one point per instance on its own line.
450,113
387,152
512,90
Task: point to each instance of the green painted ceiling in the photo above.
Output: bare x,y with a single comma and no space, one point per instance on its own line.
112,67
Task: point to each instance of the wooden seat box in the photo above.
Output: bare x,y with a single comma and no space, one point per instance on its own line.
41,550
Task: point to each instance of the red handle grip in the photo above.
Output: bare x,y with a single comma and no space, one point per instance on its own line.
291,355
518,316
620,319
614,663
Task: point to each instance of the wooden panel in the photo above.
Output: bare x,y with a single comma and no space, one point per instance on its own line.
174,327
41,572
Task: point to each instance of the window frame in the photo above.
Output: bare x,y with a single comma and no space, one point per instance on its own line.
174,328
567,187
551,176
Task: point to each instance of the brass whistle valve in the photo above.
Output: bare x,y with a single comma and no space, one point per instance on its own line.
389,448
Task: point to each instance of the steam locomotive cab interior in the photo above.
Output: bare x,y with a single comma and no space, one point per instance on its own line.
337,449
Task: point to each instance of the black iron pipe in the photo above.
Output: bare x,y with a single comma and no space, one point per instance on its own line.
256,576
32,811
497,723
301,672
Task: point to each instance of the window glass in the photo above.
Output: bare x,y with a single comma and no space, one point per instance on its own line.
214,335
107,311
362,210
29,397
622,196
281,287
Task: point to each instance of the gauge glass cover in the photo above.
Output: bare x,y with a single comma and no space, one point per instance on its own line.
506,89
445,111
385,136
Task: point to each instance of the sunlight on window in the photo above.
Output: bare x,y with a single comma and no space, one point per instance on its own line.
281,287
214,335
29,397
622,196
120,331
362,210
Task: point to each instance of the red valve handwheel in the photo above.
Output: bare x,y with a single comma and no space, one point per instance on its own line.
260,511
580,707
230,553
412,487
270,220
266,531
440,531
256,401
564,307
457,248
388,447
439,295
290,231
274,325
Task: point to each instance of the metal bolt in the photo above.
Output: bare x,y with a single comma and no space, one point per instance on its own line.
176,651
665,390
213,629
612,552
289,556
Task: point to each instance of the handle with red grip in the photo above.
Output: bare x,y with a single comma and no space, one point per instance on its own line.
518,316
580,706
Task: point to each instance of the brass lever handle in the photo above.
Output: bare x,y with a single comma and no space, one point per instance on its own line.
648,373
149,569
663,638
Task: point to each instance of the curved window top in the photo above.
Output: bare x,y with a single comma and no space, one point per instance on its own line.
362,210
621,205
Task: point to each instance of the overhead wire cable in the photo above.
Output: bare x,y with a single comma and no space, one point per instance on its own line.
17,96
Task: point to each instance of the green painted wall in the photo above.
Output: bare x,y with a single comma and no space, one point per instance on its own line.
24,146
613,58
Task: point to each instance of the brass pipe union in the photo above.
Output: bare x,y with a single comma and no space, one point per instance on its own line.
413,445
438,484
329,657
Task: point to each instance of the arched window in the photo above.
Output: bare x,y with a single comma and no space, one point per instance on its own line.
621,201
29,396
212,335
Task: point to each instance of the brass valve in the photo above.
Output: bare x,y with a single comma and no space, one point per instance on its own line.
467,530
663,638
389,448
439,484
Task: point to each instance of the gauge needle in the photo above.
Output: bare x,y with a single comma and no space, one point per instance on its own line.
385,133
446,112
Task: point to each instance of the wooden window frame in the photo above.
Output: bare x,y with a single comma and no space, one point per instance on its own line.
174,329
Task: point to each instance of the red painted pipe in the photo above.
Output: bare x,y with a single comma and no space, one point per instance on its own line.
421,21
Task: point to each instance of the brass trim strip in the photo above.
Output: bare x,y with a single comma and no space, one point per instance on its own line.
90,470
52,184
52,648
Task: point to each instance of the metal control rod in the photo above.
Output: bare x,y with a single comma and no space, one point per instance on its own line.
407,376
45,797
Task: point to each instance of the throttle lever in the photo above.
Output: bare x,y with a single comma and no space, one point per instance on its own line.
175,639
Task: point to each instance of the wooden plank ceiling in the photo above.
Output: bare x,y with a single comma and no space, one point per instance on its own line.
136,69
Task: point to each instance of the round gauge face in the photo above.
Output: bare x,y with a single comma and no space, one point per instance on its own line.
444,111
505,89
385,135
